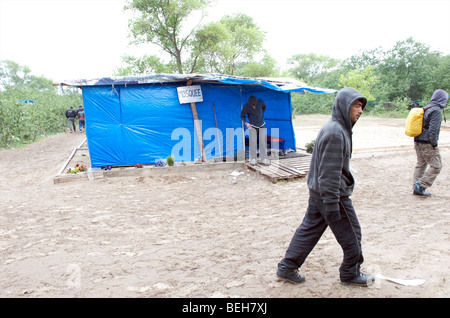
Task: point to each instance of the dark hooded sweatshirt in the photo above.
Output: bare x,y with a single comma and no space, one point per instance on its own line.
432,118
329,175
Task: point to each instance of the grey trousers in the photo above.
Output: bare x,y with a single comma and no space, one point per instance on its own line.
258,135
428,166
72,123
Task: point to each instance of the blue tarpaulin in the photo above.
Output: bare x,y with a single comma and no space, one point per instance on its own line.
131,120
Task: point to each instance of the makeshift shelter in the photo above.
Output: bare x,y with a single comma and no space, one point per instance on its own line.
137,120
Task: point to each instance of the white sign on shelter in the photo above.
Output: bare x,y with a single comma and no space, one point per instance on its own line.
190,94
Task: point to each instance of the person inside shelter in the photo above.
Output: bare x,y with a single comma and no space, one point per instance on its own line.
252,115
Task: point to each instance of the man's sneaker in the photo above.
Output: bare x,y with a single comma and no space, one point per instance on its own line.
364,280
290,275
418,190
266,162
253,162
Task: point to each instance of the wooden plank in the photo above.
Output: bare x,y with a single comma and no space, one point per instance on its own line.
76,177
278,170
283,169
198,131
71,156
67,162
288,168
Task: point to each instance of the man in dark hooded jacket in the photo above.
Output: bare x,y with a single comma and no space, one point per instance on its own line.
426,145
330,184
70,115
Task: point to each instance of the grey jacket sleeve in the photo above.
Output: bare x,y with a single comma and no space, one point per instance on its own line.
330,170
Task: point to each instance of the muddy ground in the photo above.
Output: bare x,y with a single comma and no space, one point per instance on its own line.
203,233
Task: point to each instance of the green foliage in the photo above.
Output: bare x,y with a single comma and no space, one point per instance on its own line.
42,114
362,80
313,103
311,68
242,42
143,65
228,46
310,146
170,160
267,67
395,109
391,80
161,22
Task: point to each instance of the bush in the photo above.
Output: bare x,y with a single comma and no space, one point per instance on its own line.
170,160
27,114
394,109
310,146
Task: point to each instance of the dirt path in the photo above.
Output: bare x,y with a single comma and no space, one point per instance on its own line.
201,235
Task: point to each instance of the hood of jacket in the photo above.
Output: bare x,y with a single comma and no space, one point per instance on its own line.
439,98
342,104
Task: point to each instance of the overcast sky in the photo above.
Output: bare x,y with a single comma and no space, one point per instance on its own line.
75,39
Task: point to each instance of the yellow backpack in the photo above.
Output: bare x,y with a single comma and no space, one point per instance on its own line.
414,122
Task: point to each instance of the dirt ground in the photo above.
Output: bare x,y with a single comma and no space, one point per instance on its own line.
205,233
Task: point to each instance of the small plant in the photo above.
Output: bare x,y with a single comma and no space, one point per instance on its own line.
170,160
160,163
78,168
139,165
108,167
310,146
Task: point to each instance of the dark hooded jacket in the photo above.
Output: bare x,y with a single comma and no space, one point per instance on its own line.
255,115
432,118
329,176
71,113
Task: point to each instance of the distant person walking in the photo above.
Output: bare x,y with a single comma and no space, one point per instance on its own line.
81,119
254,110
330,184
70,115
429,162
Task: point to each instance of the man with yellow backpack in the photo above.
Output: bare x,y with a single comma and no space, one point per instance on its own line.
429,162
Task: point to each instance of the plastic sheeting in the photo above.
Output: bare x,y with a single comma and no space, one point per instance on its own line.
131,124
286,85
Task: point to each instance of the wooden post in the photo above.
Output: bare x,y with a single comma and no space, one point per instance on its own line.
198,129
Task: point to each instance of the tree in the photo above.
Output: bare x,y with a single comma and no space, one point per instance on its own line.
161,22
440,76
29,105
362,80
240,41
266,67
223,46
218,47
311,68
143,65
407,67
316,70
12,74
205,45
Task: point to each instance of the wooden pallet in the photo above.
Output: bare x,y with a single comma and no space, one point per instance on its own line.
300,163
284,169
